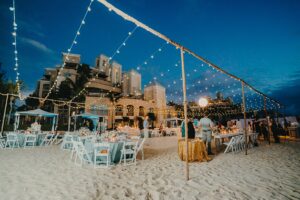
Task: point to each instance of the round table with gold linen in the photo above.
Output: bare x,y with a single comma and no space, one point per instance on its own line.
196,150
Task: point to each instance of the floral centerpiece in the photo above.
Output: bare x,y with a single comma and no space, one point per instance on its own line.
36,127
83,131
109,136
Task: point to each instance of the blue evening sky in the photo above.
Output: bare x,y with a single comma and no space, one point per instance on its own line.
258,40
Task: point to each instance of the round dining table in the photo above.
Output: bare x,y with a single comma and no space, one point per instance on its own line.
196,150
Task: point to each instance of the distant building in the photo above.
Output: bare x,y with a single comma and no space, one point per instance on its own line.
106,77
102,66
156,93
116,73
68,72
71,58
216,107
130,106
132,83
106,80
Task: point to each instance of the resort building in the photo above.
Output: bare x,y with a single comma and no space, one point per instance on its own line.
156,94
132,83
114,95
105,77
68,72
129,108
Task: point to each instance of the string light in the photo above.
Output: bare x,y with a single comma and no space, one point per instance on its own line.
117,51
151,57
158,34
74,42
14,43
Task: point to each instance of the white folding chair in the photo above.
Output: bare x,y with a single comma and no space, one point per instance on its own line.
12,140
168,132
81,154
74,139
47,139
140,147
135,137
102,155
2,143
155,132
128,152
242,142
230,145
57,139
67,143
30,140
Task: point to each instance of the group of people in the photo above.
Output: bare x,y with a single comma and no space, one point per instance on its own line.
264,129
205,125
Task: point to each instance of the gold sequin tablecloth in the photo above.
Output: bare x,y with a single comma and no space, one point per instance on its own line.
196,150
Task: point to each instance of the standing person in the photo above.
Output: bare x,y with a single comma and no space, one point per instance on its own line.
145,127
285,126
250,127
191,130
140,123
206,126
196,122
275,130
265,131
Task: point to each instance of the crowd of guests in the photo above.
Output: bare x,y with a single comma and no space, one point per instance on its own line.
265,129
205,125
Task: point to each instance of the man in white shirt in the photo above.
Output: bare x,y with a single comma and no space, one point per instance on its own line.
206,126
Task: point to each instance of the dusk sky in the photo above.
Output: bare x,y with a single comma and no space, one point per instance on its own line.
257,40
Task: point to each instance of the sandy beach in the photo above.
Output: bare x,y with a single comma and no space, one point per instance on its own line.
268,172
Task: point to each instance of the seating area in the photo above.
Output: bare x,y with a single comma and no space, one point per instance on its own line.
20,139
105,150
235,142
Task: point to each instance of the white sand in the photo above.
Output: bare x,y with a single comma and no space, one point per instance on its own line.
268,172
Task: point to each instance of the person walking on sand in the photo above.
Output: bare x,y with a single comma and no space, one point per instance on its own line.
206,126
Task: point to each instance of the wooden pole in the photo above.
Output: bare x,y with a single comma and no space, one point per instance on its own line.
185,115
245,118
267,118
113,113
69,115
4,113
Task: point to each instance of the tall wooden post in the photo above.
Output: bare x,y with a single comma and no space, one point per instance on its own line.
185,114
245,118
113,113
267,118
69,115
4,113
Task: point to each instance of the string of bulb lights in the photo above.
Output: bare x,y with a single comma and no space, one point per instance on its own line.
273,103
229,86
14,43
117,51
69,50
178,46
235,92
